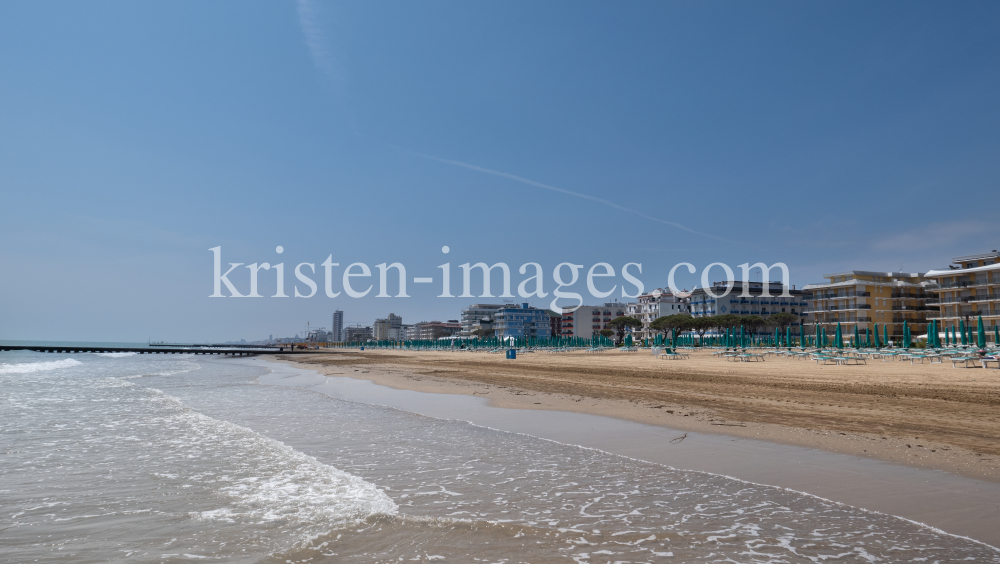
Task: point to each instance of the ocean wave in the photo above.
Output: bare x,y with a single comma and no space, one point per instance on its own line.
116,354
28,367
274,482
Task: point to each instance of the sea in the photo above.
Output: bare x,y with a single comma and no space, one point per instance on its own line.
179,458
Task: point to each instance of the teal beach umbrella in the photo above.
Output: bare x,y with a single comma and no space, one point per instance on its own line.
980,333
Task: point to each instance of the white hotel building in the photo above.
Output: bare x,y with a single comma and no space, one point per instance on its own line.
650,306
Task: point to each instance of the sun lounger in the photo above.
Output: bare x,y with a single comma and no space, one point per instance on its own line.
965,361
673,356
850,360
988,359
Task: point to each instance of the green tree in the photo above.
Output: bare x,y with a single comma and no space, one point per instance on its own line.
752,323
723,322
621,325
657,324
701,325
679,321
607,332
782,319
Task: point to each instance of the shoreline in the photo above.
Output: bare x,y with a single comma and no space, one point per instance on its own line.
510,391
955,504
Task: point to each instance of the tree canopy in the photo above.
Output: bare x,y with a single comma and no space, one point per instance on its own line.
621,324
679,321
782,319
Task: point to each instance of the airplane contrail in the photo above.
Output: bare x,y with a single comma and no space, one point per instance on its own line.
530,182
324,59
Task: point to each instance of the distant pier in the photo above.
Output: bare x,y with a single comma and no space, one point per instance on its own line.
237,350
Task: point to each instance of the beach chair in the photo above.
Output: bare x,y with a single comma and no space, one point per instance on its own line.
928,358
849,360
965,361
668,354
988,359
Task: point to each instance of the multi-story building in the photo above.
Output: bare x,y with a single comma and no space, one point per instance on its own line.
357,334
478,316
337,328
524,321
555,323
482,328
650,306
967,289
587,321
388,329
861,298
702,303
433,330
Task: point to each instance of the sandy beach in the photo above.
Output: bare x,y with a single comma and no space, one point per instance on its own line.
925,416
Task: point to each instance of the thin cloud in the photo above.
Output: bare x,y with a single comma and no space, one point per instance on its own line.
319,48
942,236
608,203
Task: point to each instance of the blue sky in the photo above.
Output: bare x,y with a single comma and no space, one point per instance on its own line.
136,136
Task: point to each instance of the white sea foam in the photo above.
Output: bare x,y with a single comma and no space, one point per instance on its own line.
28,367
116,354
277,482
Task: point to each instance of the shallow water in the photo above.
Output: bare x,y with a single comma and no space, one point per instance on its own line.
143,458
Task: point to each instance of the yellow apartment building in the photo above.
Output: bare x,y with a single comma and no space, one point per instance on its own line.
862,298
968,288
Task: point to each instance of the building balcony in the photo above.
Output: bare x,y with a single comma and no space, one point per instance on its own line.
909,320
834,296
839,308
836,321
971,318
947,285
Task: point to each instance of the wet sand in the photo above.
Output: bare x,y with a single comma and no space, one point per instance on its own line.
759,452
927,416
